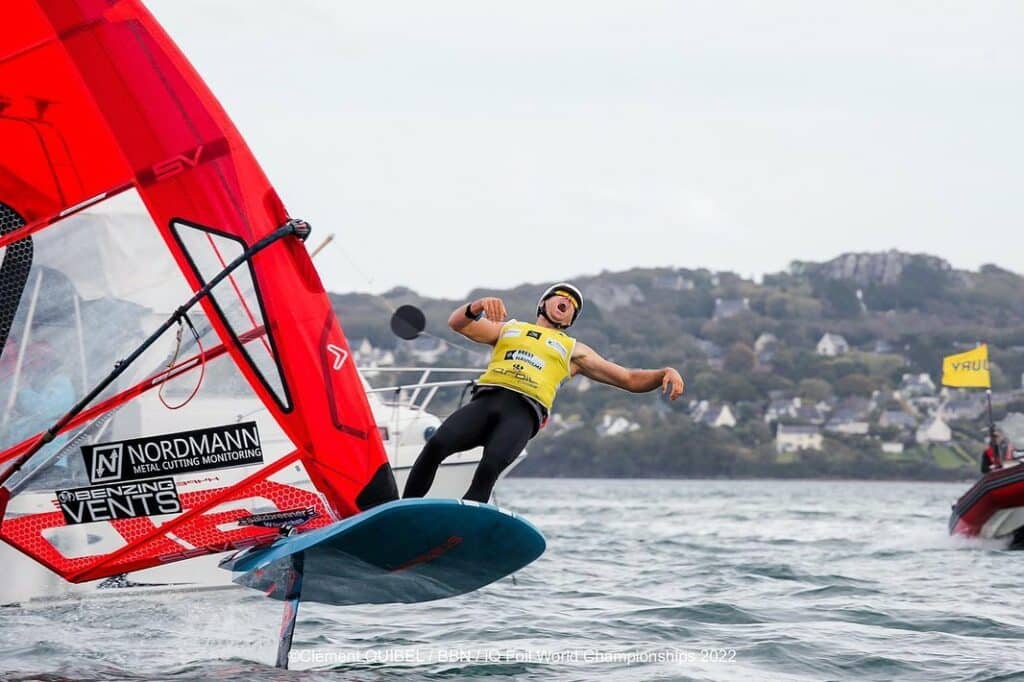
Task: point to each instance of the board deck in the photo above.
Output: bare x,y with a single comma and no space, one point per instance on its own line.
403,551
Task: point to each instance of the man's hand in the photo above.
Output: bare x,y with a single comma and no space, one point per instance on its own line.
493,308
672,383
484,330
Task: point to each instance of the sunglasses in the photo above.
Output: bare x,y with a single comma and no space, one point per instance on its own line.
566,294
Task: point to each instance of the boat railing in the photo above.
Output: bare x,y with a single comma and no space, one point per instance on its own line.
411,398
416,395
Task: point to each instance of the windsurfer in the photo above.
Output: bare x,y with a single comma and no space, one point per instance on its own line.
514,396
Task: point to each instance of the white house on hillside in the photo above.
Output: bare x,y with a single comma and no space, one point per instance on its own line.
366,355
913,385
717,416
933,430
780,408
560,425
730,307
612,425
790,438
832,345
673,282
427,349
897,419
848,424
765,341
582,383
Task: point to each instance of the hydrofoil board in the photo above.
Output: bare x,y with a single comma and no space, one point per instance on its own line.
403,551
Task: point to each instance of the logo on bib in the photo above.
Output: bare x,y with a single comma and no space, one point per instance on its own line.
558,347
525,356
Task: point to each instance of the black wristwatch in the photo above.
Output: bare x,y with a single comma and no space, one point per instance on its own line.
470,315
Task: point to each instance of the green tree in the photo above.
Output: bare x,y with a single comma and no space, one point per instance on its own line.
814,389
855,384
739,329
840,298
740,358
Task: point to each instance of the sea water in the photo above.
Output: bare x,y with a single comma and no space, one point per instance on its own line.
642,580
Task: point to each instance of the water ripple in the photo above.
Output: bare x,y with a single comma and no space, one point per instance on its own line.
643,580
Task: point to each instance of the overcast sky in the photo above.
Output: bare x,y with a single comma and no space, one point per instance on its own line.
452,145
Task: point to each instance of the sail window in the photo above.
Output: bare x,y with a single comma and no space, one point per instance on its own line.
237,299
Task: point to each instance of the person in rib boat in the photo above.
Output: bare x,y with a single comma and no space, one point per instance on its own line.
513,398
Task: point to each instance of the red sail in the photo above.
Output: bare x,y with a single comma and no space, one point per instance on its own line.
95,99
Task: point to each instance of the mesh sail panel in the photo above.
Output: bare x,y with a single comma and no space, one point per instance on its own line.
15,261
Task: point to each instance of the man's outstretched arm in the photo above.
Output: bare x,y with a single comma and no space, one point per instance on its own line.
485,329
587,362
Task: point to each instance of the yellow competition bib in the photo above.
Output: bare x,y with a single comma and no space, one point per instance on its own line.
531,360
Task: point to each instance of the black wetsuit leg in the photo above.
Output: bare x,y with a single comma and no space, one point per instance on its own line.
500,420
508,438
464,429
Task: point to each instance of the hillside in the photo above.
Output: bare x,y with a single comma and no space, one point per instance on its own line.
755,355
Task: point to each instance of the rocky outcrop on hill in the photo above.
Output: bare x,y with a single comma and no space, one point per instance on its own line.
869,268
610,296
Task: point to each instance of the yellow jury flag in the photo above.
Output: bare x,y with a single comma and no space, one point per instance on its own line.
967,370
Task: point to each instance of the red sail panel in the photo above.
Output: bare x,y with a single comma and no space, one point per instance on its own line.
94,95
46,117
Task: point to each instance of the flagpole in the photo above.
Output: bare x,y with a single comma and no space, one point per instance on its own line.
991,423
